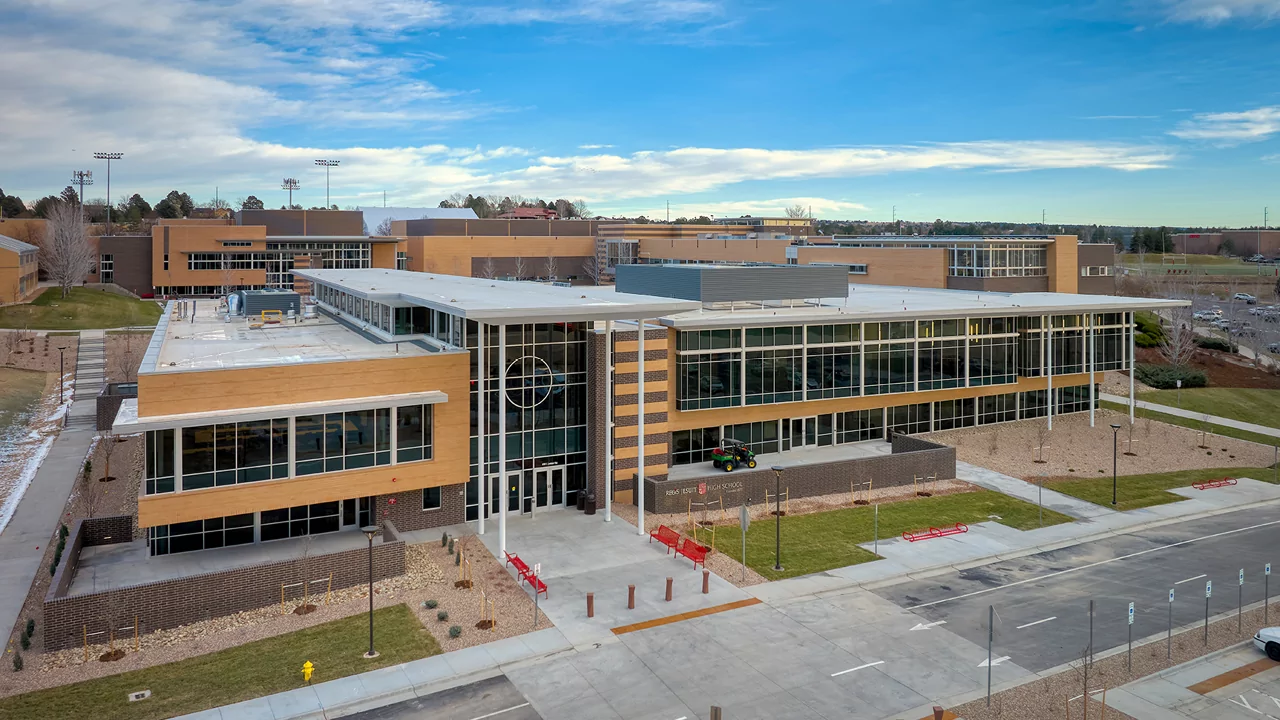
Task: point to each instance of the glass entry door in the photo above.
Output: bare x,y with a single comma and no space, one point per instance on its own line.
800,432
543,488
495,493
356,512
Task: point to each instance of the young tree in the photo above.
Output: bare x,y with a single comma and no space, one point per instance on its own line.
66,254
519,268
591,268
384,228
1179,342
552,267
488,271
125,361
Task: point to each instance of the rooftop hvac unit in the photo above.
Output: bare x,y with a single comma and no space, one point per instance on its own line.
707,236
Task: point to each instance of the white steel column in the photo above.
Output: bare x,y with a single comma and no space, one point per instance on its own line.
1132,353
1090,347
177,456
1048,366
483,415
502,438
640,436
608,421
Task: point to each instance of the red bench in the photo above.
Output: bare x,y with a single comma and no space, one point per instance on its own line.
666,536
519,564
695,552
539,587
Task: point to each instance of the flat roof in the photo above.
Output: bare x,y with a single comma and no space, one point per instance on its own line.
208,342
506,301
17,246
886,302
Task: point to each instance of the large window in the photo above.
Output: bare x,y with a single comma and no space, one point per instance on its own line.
997,408
859,426
833,371
159,472
993,360
342,441
301,521
761,437
1004,260
413,433
774,376
107,268
693,446
709,380
909,419
940,364
231,453
951,414
431,499
1110,341
889,367
201,534
1072,399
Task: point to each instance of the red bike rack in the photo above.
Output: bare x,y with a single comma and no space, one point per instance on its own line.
1210,484
934,532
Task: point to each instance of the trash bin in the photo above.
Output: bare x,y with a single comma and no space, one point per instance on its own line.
590,504
582,501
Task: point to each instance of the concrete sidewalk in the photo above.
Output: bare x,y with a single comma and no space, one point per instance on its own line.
23,540
1190,415
1247,686
376,688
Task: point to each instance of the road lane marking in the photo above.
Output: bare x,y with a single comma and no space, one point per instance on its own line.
1190,579
995,662
1039,578
499,712
860,667
926,626
1055,617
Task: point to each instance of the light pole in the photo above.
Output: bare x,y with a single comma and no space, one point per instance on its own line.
108,156
777,518
62,379
326,164
290,184
1115,444
82,178
369,531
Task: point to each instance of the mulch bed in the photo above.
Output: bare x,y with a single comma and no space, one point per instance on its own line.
1223,369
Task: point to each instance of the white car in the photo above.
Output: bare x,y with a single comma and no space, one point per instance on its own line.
1245,298
1268,641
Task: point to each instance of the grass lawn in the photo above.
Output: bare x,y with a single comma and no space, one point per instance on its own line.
1137,491
1193,424
82,309
822,541
259,668
1261,407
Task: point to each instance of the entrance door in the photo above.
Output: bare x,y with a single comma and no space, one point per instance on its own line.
495,493
356,512
542,488
803,431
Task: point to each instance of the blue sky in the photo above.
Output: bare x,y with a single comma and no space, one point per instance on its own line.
1124,112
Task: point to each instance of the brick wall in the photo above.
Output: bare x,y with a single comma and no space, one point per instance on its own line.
407,513
912,456
170,603
106,530
597,410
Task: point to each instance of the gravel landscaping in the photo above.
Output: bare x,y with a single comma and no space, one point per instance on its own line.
1077,450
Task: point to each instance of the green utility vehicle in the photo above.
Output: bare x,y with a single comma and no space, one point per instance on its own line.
731,454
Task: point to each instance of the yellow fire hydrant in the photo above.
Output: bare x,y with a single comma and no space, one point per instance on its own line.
307,668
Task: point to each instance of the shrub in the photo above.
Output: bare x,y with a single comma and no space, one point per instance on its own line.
1166,377
88,468
442,615
457,559
444,539
1213,343
25,642
17,662
1150,333
431,604
63,532
451,545
31,627
455,631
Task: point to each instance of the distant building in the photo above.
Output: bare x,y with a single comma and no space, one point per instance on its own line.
18,270
374,216
529,213
1237,242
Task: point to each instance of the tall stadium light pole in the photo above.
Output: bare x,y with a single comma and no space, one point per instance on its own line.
82,178
290,184
108,156
326,164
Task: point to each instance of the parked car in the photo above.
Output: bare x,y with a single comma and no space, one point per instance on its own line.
1205,315
1220,323
1244,330
1274,348
1268,641
1246,298
1256,258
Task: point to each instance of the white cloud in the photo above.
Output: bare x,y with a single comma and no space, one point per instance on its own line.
594,146
1213,12
1231,128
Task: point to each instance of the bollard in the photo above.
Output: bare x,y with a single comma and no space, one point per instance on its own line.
937,712
706,581
591,605
668,589
631,597
715,712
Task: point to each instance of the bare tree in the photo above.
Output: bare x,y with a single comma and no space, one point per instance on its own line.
591,268
66,254
580,207
519,268
228,277
1042,441
1179,342
125,360
551,267
87,485
384,228
796,211
488,271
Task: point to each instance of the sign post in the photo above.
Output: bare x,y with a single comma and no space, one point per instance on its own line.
1168,648
1266,591
537,571
1130,637
1240,605
1208,593
744,522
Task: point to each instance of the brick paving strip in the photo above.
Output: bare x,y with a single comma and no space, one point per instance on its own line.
1217,682
657,622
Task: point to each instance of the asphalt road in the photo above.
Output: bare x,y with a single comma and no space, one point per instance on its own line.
492,699
1042,601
